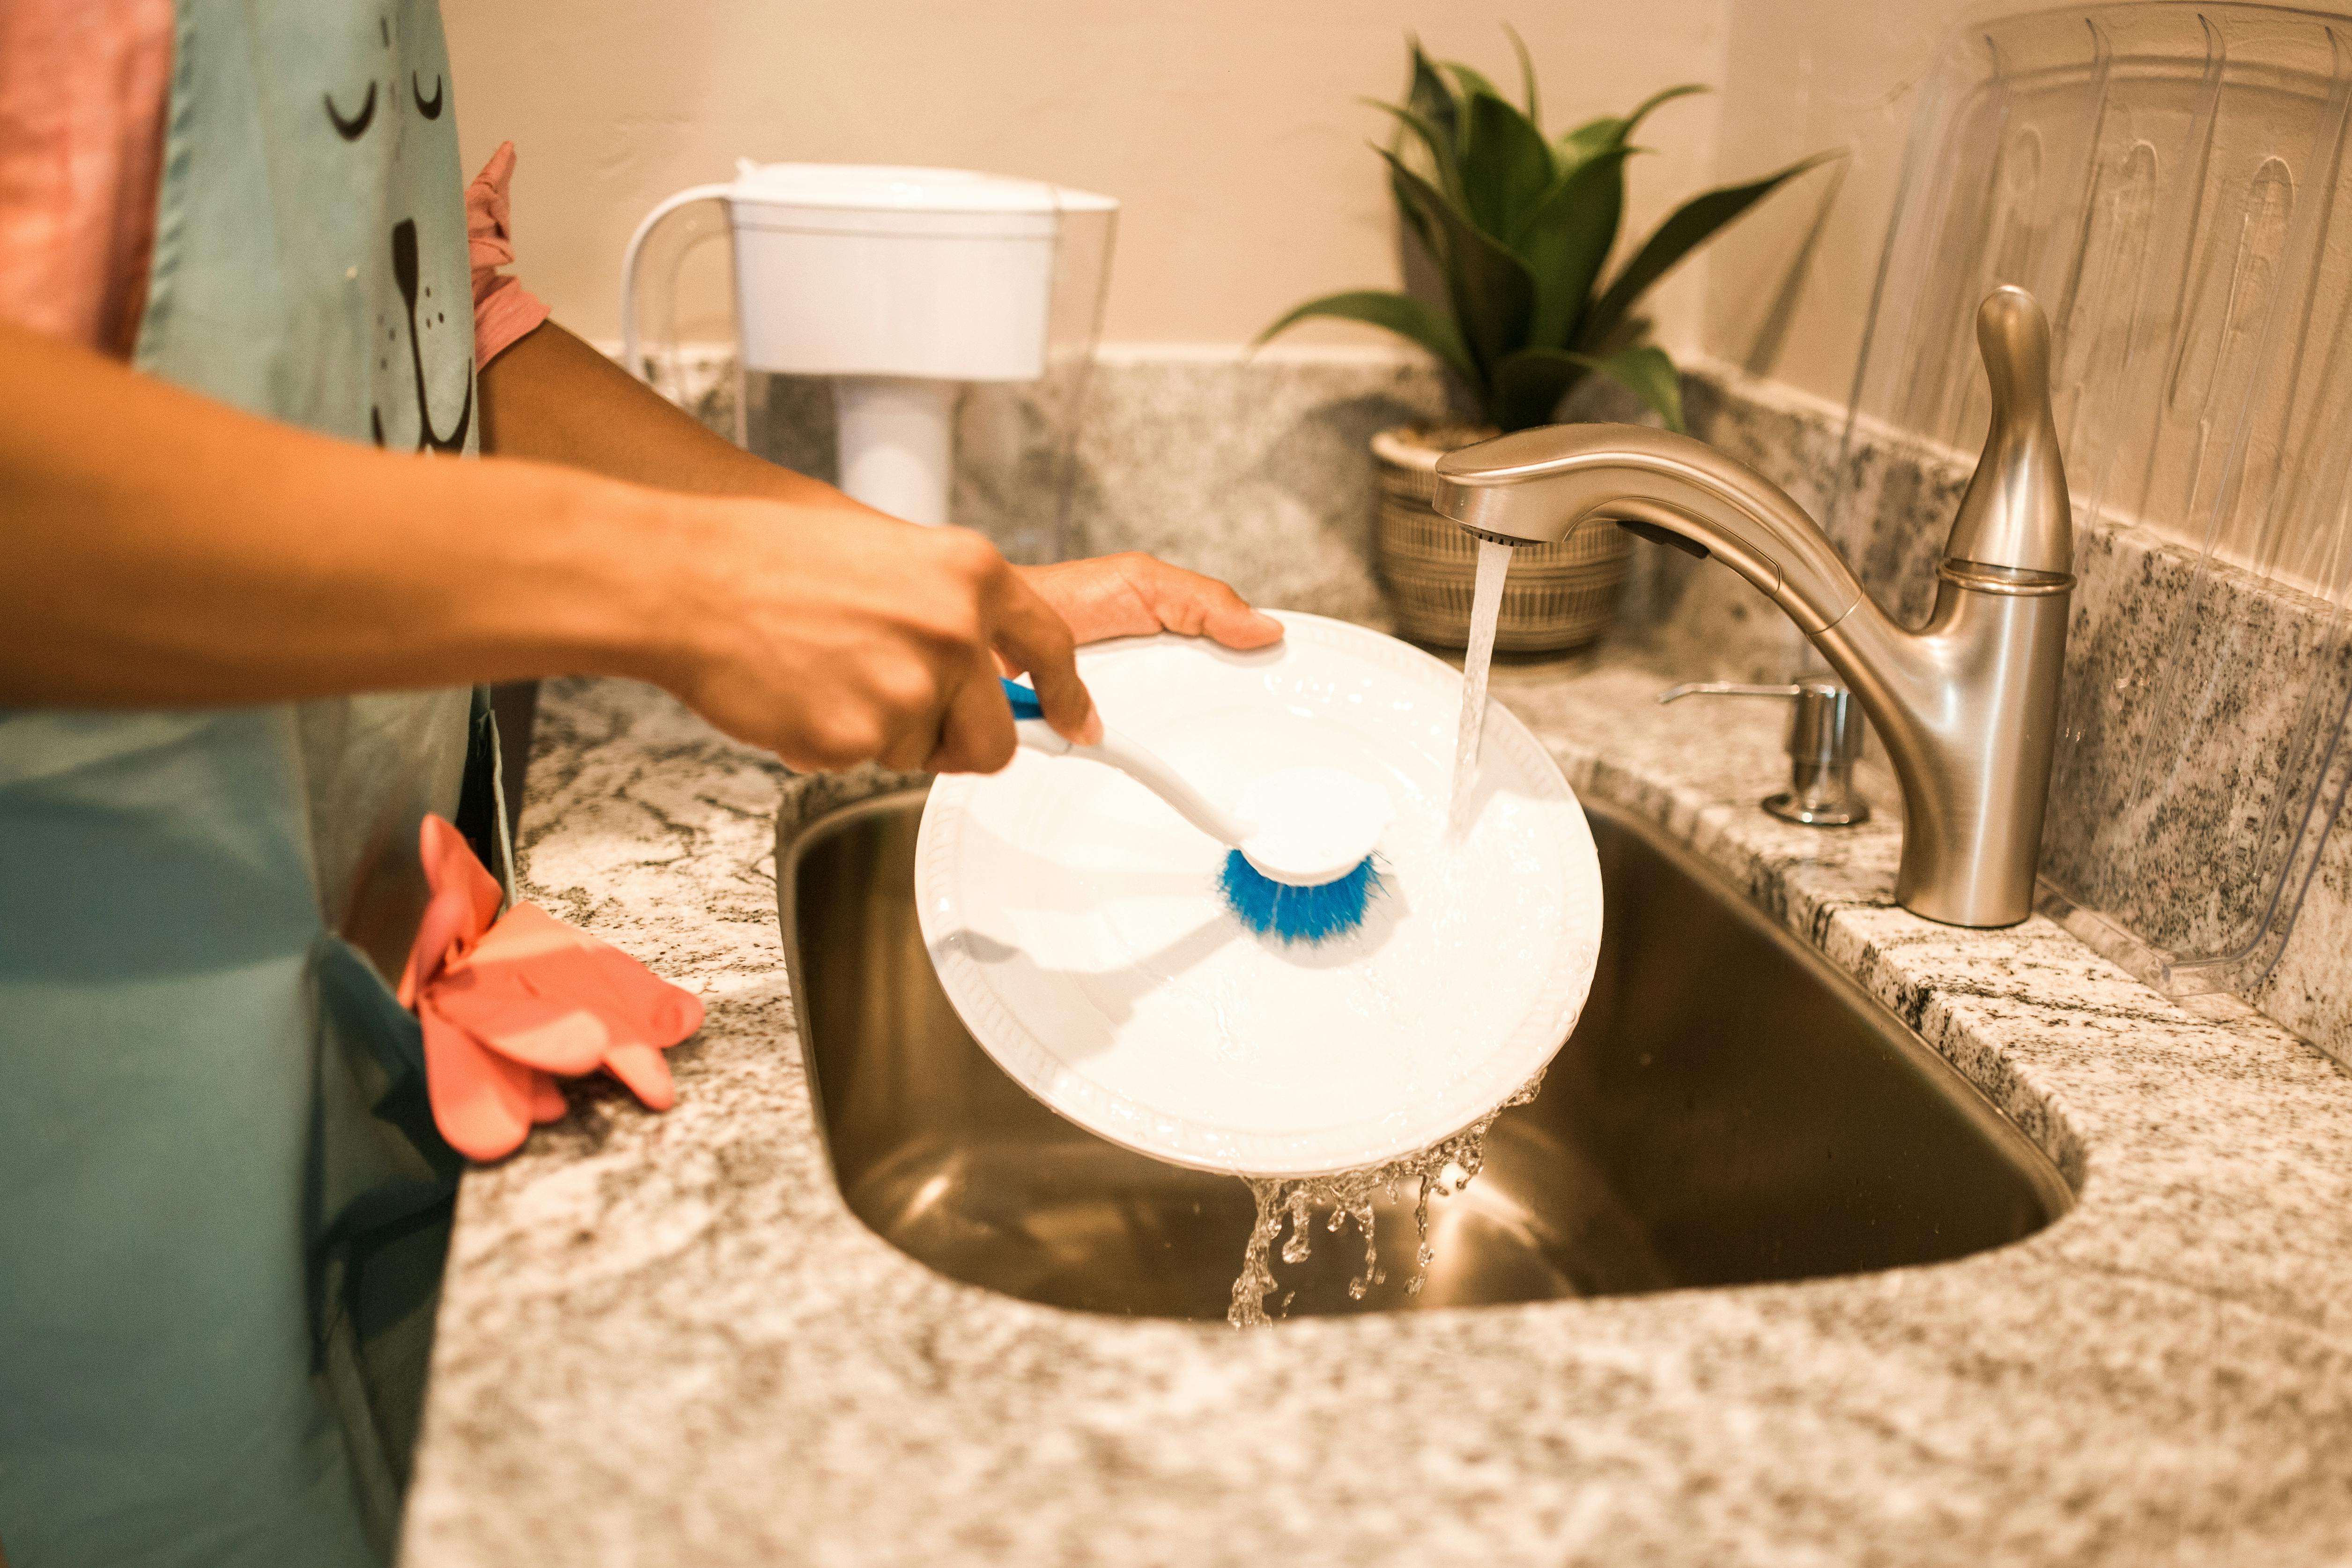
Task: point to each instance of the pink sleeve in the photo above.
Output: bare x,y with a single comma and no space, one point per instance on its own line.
503,309
82,95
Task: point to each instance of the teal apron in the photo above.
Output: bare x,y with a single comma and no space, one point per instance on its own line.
223,1204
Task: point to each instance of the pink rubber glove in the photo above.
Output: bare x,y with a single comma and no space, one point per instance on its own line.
509,1002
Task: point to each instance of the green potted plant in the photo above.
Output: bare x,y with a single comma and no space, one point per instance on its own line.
1519,227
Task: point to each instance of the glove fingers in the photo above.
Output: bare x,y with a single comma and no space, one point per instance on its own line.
450,862
563,960
481,1101
513,1015
547,1101
647,1076
465,901
509,1002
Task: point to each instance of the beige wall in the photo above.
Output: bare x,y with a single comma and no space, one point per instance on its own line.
1788,289
1229,128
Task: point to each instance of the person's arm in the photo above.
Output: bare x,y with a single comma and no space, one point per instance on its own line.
552,397
158,548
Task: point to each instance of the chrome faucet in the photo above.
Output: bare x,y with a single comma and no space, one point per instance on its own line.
1968,704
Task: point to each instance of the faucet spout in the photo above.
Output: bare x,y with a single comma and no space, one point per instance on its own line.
1965,705
1537,486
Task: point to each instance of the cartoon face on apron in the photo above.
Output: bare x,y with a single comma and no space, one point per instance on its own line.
224,1201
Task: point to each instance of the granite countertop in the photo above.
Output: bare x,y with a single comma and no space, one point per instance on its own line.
666,1340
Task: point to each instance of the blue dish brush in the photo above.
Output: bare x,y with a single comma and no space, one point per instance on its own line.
1299,861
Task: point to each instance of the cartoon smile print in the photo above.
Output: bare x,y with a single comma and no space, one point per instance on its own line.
405,268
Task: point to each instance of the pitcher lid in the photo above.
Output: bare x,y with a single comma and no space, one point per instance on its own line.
893,187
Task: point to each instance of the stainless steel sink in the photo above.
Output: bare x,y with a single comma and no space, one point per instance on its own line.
1730,1109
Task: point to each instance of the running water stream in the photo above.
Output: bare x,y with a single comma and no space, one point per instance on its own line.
1443,1168
1486,610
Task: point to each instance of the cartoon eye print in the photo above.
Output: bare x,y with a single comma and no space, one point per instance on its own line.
351,127
355,126
407,271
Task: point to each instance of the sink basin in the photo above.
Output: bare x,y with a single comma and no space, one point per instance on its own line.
1730,1109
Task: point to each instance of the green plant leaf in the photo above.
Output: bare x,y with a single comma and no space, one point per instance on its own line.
1490,289
1613,130
1663,96
1428,96
1530,384
1527,76
1506,167
1402,314
1438,144
1623,335
1468,83
1575,146
1649,373
1410,210
1566,239
1688,227
1437,140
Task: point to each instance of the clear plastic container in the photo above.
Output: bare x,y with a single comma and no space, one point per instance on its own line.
921,336
2169,181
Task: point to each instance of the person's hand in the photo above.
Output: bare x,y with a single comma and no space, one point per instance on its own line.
1135,595
836,635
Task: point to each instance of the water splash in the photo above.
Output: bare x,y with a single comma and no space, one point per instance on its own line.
1443,1169
1486,610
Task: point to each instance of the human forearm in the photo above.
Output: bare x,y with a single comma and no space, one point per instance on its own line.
159,549
164,549
552,397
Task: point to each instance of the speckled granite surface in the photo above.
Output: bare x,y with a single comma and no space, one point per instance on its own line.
666,1340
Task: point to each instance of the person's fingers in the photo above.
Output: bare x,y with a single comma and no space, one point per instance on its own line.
1033,637
1190,602
908,699
1135,595
1096,597
908,751
977,736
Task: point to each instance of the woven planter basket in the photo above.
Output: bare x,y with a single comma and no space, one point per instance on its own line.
1557,596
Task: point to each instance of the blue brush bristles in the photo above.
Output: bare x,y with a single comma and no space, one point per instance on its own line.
1269,908
1296,914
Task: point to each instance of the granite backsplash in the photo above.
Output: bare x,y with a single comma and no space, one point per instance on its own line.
1254,468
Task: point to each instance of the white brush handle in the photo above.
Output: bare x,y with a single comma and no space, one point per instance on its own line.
1117,751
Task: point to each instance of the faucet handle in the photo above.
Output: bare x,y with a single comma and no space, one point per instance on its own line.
2015,516
1825,734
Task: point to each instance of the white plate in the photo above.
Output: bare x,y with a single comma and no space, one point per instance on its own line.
1075,921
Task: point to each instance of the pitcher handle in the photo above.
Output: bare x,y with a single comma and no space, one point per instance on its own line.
630,357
